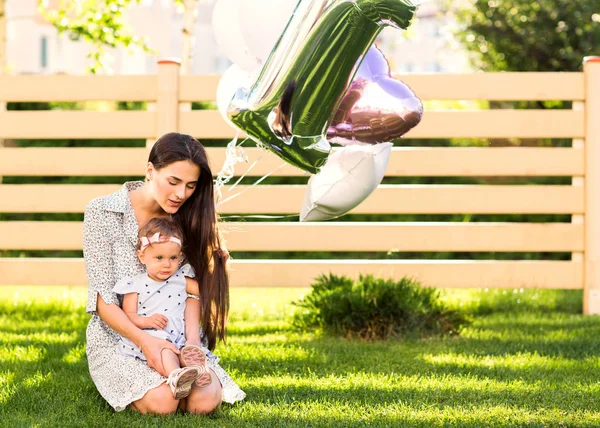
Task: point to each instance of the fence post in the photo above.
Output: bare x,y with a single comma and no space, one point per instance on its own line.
591,288
578,181
3,58
167,103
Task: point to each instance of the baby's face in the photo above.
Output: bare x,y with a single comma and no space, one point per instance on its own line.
161,259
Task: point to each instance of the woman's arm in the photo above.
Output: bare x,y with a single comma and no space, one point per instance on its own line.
100,273
119,321
151,347
192,313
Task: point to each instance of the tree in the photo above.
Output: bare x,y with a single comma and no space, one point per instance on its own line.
102,24
525,35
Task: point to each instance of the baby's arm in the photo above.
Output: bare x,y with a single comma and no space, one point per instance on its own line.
192,313
130,303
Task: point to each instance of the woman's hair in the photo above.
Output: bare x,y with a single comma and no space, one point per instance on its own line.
164,226
198,220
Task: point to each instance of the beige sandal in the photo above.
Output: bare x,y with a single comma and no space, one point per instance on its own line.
181,381
194,356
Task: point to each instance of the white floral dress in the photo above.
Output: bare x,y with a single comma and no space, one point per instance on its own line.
109,248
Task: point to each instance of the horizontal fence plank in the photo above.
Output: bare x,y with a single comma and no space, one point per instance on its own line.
209,124
198,87
437,124
78,88
471,86
51,235
300,273
403,236
287,199
77,124
512,86
404,161
73,161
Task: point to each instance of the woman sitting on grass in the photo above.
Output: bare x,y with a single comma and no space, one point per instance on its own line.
179,185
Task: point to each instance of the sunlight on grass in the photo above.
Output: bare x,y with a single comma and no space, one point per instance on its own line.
38,338
59,294
75,355
18,354
367,385
485,300
37,379
515,361
7,388
264,304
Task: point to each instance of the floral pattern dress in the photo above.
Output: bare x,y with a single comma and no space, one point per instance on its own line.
109,248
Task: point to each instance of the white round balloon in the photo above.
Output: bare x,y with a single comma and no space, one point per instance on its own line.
231,81
349,176
246,30
228,34
262,23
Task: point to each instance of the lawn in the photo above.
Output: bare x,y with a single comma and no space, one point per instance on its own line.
535,365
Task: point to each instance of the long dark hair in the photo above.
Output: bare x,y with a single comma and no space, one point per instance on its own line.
203,245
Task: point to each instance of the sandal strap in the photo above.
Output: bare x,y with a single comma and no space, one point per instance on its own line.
173,376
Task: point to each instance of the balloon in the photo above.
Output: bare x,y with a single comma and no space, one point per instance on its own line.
289,108
262,23
349,176
229,83
376,108
228,34
247,30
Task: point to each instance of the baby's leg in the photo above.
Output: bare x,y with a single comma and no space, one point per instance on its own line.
180,379
170,360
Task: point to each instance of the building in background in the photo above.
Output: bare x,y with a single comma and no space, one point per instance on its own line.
34,46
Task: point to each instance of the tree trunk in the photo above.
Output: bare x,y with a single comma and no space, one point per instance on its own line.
187,36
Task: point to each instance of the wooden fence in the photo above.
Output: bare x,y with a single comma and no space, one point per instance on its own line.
168,92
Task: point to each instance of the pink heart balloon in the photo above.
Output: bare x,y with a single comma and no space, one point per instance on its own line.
376,108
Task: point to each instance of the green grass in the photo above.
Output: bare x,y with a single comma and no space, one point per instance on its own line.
534,362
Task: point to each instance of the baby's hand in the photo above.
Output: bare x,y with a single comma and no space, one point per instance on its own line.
157,321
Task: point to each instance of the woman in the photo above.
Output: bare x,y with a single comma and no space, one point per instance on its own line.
179,184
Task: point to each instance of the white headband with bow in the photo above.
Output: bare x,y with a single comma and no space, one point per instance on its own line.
156,238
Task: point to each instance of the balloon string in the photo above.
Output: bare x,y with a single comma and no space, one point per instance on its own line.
233,154
245,173
256,183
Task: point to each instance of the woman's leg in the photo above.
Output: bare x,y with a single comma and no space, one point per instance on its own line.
157,401
205,400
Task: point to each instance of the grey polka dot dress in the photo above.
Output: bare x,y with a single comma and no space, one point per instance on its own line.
157,297
109,240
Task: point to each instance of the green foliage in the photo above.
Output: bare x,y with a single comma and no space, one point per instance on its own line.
99,22
375,308
524,35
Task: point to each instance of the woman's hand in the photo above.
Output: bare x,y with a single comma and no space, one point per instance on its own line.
151,348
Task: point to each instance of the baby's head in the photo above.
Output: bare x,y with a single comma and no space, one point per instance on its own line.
159,247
